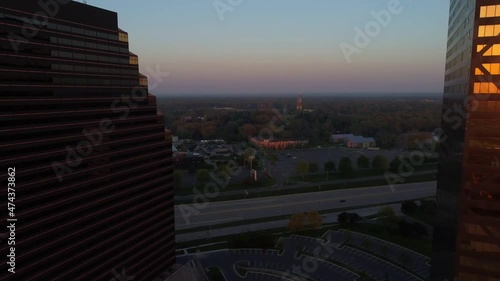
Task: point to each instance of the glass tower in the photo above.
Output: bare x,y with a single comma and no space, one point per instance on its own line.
467,227
94,196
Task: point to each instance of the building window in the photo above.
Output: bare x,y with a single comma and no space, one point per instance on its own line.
493,68
489,30
143,81
134,60
485,88
493,51
490,11
123,37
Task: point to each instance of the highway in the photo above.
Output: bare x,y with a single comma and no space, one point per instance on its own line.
189,216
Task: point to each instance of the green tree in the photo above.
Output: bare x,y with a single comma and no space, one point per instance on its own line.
380,163
330,166
302,167
394,165
177,179
409,207
363,162
345,167
202,176
313,167
387,217
297,222
273,158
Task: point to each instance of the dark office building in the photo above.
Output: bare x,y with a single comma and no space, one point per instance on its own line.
467,228
93,182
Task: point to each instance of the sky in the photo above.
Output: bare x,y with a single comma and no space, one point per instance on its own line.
287,46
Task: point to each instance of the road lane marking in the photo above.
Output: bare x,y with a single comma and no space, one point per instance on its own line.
308,202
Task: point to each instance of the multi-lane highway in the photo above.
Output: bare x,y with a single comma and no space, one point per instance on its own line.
189,216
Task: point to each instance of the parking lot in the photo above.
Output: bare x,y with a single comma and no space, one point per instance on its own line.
287,159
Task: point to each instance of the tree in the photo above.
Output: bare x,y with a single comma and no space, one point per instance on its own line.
348,218
342,217
313,167
420,229
380,163
314,219
297,222
394,165
302,167
345,167
387,217
330,166
273,158
202,176
177,179
409,207
363,162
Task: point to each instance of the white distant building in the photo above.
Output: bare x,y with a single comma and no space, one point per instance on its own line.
353,141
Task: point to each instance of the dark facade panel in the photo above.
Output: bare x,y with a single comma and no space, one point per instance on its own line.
94,192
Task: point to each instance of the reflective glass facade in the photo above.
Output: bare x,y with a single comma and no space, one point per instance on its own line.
467,229
94,194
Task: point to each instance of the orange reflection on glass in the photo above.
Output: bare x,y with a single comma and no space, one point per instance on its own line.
490,11
485,88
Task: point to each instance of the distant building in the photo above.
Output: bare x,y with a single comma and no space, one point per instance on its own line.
279,144
300,105
353,141
186,160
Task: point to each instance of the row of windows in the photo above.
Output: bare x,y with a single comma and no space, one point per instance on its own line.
134,60
459,29
465,39
493,51
91,69
61,27
490,11
457,74
489,30
85,81
488,106
485,144
493,68
90,45
481,247
474,277
483,265
122,37
465,55
485,88
88,57
457,88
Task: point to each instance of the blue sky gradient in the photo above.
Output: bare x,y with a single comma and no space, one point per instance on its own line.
286,46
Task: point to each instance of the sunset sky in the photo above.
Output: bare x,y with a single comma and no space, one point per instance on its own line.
286,46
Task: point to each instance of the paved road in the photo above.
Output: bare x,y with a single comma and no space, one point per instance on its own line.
188,216
253,227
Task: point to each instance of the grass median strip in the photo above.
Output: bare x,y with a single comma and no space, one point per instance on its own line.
326,187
